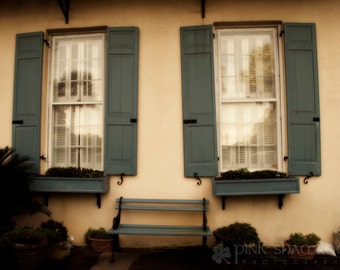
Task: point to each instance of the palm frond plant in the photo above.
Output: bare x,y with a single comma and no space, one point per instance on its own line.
15,196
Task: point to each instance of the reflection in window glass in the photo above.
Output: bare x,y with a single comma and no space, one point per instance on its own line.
77,109
248,99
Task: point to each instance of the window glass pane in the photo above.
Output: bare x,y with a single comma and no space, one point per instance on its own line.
77,136
248,135
247,67
77,110
78,66
248,99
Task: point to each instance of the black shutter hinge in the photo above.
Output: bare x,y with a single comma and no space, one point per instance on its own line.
46,42
285,158
281,33
213,35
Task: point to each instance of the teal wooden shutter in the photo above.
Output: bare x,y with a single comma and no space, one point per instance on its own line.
198,99
120,153
27,96
302,99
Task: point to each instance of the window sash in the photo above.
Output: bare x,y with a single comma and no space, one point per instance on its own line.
248,89
77,90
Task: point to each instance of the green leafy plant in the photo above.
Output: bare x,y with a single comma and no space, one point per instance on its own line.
15,196
300,239
56,231
237,234
244,173
27,236
73,172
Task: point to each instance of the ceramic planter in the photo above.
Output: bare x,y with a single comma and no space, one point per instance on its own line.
101,245
278,186
303,252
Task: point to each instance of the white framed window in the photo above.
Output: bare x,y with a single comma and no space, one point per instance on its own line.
76,91
248,99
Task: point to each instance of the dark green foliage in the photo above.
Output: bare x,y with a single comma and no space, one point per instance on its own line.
237,234
57,232
300,239
15,196
244,173
73,172
97,234
26,235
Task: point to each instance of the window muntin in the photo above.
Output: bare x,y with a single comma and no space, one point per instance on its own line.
248,99
77,90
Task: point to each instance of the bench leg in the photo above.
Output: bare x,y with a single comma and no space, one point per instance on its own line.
204,242
115,247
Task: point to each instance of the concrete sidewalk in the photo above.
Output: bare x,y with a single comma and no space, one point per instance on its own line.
192,258
123,260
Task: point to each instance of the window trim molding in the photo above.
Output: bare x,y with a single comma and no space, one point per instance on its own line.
246,24
75,31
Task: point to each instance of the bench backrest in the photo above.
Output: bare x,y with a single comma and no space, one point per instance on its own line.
162,204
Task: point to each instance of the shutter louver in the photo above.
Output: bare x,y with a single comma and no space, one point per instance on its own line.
199,127
27,96
302,99
120,151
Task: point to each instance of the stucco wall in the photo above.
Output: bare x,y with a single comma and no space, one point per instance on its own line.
160,136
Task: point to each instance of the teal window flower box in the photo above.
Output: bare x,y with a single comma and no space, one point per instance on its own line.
249,187
49,184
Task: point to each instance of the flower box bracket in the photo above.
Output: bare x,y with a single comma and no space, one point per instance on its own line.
280,201
98,199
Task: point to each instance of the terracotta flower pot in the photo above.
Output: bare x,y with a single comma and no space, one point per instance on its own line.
101,245
303,252
30,257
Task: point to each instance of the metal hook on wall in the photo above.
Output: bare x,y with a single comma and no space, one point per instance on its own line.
307,177
199,182
121,179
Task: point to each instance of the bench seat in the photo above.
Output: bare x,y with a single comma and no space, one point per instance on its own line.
141,229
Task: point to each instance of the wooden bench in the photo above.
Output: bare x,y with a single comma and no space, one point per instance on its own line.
156,205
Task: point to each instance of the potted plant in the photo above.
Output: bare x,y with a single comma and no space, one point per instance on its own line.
302,246
29,244
98,240
71,180
238,237
243,182
59,242
15,196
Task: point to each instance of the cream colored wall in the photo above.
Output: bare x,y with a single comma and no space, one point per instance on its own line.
160,144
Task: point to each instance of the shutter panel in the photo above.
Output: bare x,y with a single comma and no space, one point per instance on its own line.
120,152
302,99
198,97
27,96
